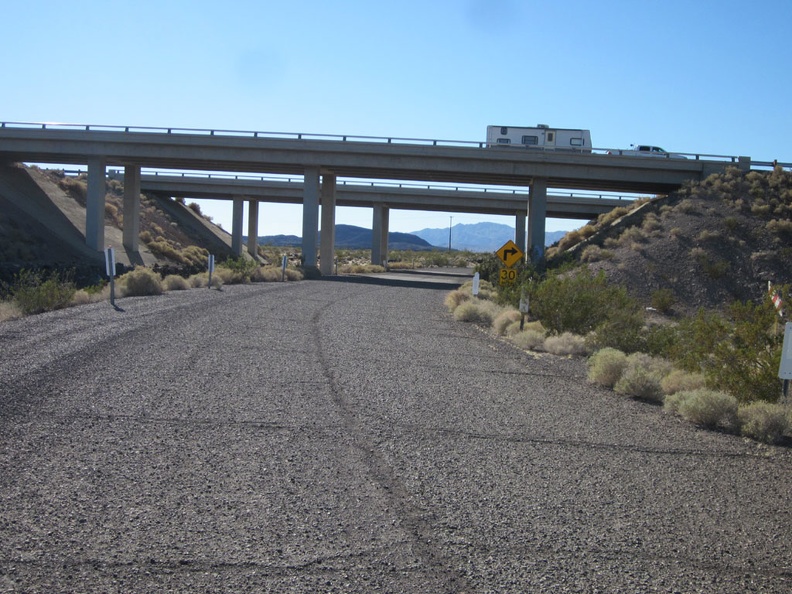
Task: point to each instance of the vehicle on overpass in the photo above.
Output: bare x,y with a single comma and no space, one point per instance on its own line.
540,137
646,150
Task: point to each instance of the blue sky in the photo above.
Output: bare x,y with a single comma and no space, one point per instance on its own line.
704,76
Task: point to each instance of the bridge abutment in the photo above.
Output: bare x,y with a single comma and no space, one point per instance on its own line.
537,218
131,231
95,204
379,234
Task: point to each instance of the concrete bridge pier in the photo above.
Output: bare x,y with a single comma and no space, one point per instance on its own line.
379,235
131,231
253,216
237,217
310,222
327,242
519,231
95,204
537,215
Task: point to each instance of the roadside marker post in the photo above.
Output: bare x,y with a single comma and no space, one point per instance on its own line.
284,262
211,266
525,307
110,267
476,284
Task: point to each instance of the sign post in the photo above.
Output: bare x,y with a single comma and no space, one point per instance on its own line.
110,267
211,266
476,284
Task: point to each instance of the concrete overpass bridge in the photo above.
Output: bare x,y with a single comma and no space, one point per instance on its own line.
381,197
322,159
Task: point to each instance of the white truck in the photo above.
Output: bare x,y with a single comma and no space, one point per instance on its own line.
646,150
540,137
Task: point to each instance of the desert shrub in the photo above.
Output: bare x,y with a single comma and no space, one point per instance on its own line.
606,366
663,300
140,282
505,319
235,271
266,274
708,408
687,206
622,329
455,298
566,344
763,421
578,301
608,217
594,253
34,291
632,235
529,340
641,378
174,282
198,281
292,274
9,311
679,380
477,311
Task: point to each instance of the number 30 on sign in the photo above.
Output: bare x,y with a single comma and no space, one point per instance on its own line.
508,276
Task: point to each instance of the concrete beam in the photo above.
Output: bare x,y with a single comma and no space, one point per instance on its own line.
95,204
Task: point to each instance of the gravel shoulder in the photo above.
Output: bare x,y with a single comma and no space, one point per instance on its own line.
336,436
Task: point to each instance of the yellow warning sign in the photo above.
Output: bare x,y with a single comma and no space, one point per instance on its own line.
509,253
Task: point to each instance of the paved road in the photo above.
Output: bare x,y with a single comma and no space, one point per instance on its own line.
334,436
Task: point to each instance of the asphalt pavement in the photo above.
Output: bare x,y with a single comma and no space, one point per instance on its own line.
347,435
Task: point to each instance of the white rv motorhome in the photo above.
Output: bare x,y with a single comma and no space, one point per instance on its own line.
541,137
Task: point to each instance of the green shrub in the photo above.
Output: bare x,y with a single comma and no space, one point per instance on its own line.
578,302
663,300
35,292
709,408
267,274
140,282
606,366
763,421
566,344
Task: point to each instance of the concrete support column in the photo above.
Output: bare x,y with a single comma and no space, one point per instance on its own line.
237,218
327,243
132,208
310,218
379,234
95,204
252,243
537,215
519,231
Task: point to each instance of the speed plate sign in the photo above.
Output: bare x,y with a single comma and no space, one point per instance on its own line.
508,276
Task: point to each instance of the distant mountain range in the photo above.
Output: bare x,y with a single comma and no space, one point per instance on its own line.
476,237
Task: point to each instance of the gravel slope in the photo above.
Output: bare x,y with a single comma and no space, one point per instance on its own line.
335,436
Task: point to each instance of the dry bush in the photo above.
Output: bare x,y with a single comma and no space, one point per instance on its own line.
455,298
763,421
199,281
267,274
606,366
687,206
632,235
708,408
708,235
566,344
529,340
9,311
174,282
594,253
293,274
608,217
505,319
681,381
83,297
139,282
477,311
